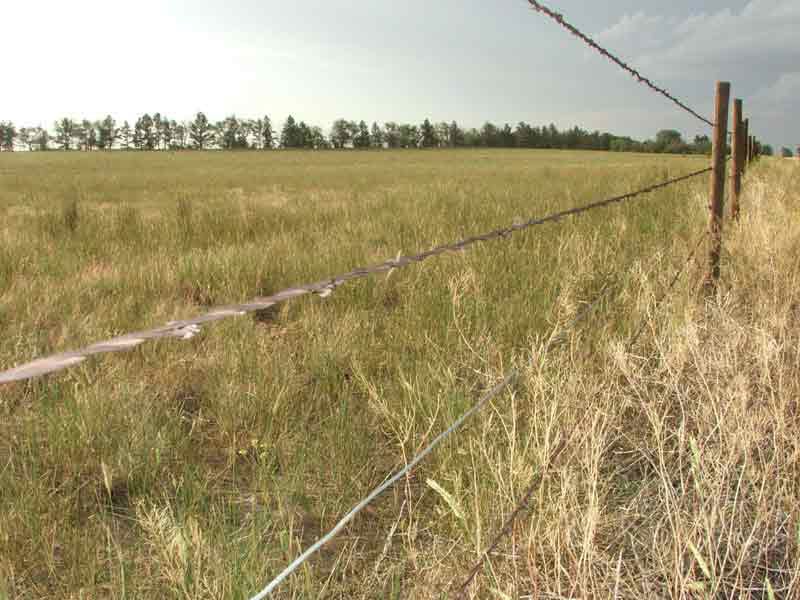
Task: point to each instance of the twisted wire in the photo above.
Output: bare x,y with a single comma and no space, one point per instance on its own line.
186,329
559,18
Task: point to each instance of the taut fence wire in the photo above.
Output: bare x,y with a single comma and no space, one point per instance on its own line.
538,479
559,18
188,328
510,378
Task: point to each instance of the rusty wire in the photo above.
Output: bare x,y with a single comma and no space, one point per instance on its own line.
188,328
559,18
538,479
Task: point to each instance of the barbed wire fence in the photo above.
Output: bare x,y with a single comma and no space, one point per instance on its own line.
188,328
714,233
745,149
538,479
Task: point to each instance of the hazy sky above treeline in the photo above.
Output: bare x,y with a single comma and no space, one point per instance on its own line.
380,60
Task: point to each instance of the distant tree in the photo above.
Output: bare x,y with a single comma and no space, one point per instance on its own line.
125,136
767,150
455,136
391,134
786,152
157,130
200,132
427,135
168,133
340,133
8,133
182,131
42,139
376,136
524,135
267,135
243,135
291,135
490,135
472,138
82,134
107,133
229,133
318,140
147,132
409,135
667,139
26,137
506,137
360,135
91,139
138,134
701,145
442,133
65,129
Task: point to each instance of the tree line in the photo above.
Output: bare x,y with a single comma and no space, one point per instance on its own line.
158,132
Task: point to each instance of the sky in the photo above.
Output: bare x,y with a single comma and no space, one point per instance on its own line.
382,60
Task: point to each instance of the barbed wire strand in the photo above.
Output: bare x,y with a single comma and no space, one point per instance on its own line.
558,18
538,479
187,329
510,377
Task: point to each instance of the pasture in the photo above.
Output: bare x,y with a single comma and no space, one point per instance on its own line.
200,468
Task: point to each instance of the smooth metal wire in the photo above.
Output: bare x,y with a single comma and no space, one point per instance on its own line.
536,481
510,377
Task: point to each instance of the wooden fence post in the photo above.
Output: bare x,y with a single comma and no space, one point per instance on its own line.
746,141
717,191
737,158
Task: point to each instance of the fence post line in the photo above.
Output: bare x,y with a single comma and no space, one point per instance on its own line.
736,158
717,189
746,142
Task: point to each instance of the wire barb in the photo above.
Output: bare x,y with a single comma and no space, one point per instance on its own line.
559,18
190,327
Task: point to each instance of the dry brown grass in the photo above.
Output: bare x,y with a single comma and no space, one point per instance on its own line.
199,470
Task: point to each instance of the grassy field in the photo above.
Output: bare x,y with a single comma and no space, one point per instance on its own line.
199,469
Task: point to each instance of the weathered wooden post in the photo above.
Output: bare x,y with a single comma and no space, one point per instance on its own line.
717,190
746,140
737,158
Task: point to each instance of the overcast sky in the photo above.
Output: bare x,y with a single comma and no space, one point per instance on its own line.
469,60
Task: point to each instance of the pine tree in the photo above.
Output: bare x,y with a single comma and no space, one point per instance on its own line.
201,132
291,136
361,138
125,136
267,135
65,129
